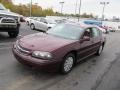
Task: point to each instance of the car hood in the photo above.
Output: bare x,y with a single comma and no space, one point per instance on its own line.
43,42
5,12
51,25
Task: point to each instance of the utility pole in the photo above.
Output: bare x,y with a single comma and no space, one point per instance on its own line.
30,8
79,11
62,6
104,5
76,7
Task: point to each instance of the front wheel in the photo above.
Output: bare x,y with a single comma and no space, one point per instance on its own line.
67,63
13,34
32,26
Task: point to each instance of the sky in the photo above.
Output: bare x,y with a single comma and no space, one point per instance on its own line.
88,6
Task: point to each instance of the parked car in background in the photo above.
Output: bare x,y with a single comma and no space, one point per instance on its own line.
22,18
61,21
42,24
28,20
102,29
112,29
37,24
93,23
50,22
9,22
106,29
60,48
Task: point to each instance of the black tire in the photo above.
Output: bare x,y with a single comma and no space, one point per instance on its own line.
27,23
62,68
99,51
13,34
32,26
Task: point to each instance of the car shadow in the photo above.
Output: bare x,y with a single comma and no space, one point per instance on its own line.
92,59
38,75
5,38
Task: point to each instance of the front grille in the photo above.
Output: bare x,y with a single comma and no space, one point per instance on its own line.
9,16
7,21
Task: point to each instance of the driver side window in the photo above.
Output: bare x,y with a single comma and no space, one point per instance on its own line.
87,33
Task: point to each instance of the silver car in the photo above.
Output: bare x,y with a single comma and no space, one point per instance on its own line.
42,24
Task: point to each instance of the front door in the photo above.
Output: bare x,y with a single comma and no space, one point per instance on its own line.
86,45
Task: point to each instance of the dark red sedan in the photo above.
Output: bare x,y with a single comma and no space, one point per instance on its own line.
59,48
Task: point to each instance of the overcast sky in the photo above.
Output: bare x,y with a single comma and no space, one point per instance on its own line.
88,6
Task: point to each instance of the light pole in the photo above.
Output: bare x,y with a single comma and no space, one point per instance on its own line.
30,8
62,6
79,10
76,7
104,5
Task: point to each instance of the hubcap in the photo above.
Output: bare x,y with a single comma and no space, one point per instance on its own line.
68,64
100,49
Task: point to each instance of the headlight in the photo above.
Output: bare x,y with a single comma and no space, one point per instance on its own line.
42,55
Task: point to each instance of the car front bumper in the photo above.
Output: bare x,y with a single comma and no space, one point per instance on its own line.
49,65
8,25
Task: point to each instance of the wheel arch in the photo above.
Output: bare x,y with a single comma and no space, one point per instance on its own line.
75,53
33,25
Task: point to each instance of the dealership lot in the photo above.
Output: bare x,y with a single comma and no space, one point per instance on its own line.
86,76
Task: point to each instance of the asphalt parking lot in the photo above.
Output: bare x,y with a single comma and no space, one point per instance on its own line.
87,75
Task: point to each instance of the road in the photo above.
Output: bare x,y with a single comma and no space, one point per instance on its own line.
111,81
87,75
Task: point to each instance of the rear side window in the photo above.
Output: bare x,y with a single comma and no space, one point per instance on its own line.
95,32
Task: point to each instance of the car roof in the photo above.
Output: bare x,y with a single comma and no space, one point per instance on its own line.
82,25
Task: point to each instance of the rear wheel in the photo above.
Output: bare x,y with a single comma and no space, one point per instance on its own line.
68,63
100,50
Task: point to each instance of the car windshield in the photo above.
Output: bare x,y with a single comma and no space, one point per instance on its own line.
2,7
50,21
67,31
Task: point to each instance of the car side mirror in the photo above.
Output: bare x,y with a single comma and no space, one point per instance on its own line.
85,38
